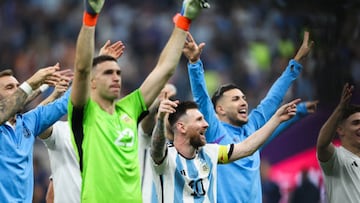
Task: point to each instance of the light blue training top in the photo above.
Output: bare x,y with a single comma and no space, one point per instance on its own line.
240,181
16,149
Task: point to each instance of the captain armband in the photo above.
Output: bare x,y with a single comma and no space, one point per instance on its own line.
225,152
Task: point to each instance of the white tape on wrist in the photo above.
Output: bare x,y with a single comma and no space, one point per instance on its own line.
26,87
44,87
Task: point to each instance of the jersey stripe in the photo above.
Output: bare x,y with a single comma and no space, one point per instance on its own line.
77,128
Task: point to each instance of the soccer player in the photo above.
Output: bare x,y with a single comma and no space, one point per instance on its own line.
65,181
145,129
340,165
105,128
18,131
187,171
230,121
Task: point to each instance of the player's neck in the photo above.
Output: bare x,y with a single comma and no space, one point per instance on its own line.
225,119
353,148
185,149
12,121
106,105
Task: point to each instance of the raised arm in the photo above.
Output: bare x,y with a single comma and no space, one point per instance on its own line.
66,74
324,147
192,52
59,90
304,48
36,93
253,142
158,139
170,55
302,109
12,104
275,95
61,87
148,122
85,46
282,84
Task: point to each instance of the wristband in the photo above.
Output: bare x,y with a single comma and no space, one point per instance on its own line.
26,88
182,22
89,19
43,87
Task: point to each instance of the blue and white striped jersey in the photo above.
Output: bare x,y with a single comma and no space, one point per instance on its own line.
178,179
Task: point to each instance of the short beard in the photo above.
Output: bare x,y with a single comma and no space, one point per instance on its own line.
239,122
196,142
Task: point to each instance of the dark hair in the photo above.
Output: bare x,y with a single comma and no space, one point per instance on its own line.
349,110
220,91
6,72
181,110
102,58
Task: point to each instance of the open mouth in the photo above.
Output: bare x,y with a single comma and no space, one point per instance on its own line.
242,111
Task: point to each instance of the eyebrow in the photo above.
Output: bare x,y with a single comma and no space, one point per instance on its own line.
108,71
12,84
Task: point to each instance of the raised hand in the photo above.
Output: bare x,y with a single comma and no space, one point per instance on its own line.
169,91
115,50
166,106
305,47
62,85
204,4
60,88
346,95
49,75
192,50
93,7
287,111
192,8
54,79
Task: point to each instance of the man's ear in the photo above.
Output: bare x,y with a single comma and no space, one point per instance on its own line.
219,109
92,83
340,131
180,127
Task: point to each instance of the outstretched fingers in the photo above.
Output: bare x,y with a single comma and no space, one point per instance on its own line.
291,106
115,50
192,50
166,106
288,110
189,37
305,47
346,93
306,42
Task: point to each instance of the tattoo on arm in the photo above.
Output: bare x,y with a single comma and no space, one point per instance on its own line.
11,105
158,142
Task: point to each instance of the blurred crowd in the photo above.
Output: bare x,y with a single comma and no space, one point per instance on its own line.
248,43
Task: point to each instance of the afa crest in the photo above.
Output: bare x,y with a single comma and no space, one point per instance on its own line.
125,118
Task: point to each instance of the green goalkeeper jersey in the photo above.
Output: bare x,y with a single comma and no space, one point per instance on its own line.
107,149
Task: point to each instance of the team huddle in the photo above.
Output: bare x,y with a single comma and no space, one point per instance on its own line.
148,146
